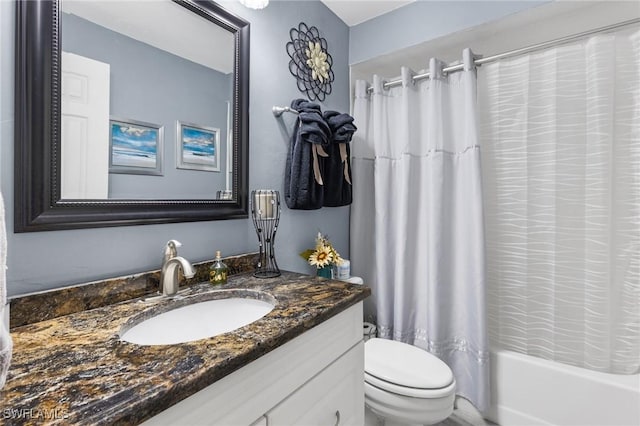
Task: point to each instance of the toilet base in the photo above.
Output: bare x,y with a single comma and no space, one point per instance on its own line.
372,419
403,410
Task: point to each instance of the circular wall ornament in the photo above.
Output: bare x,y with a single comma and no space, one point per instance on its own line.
310,62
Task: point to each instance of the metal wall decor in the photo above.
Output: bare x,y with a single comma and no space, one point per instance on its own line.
310,62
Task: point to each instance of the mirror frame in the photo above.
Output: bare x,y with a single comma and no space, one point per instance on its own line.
38,206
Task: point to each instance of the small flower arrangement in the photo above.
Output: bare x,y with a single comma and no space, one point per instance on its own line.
323,255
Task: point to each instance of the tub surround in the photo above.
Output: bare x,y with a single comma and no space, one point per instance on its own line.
52,304
76,367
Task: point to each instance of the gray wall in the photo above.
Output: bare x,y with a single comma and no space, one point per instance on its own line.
422,21
45,260
154,86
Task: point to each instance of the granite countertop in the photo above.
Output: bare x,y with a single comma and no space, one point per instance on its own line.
74,369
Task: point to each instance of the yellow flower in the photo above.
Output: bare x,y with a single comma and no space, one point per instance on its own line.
321,257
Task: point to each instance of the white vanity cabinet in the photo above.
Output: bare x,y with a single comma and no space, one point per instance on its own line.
330,398
315,379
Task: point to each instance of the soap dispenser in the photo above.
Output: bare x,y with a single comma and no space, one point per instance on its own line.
218,271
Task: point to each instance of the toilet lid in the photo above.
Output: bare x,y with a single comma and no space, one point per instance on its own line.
405,365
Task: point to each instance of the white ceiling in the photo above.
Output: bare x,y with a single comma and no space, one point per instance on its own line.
172,34
168,27
353,12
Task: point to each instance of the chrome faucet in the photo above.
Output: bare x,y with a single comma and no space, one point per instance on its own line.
170,250
169,280
169,271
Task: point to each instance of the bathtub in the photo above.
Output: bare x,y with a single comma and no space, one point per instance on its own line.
531,391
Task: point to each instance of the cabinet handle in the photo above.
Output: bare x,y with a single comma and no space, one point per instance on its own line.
337,417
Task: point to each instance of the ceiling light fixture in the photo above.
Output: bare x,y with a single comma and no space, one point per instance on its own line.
254,4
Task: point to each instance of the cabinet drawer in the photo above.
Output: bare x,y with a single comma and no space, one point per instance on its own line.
333,396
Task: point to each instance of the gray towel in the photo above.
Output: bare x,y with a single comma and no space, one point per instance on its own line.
337,167
303,185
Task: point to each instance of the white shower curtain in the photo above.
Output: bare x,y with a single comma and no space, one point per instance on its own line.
417,222
561,162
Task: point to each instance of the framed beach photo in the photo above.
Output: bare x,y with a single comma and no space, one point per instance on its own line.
135,147
198,147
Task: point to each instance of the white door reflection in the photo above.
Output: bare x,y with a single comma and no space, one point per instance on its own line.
84,128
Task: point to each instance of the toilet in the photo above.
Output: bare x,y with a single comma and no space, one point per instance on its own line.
406,385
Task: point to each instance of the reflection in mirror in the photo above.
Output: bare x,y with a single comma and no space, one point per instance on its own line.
132,165
132,74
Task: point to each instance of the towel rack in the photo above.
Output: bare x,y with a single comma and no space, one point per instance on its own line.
278,110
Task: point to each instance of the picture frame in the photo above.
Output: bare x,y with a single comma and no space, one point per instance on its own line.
197,147
135,147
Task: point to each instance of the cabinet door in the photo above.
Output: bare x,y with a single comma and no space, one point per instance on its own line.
335,396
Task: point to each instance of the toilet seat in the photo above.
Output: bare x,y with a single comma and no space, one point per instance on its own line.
406,370
406,391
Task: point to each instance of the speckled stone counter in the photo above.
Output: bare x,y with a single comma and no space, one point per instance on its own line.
75,298
74,369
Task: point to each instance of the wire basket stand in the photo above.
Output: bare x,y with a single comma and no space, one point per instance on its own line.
265,212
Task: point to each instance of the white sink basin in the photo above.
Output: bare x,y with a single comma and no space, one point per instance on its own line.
197,321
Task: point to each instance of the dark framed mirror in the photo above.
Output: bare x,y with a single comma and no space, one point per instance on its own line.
174,151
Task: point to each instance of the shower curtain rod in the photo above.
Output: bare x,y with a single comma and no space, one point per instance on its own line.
522,50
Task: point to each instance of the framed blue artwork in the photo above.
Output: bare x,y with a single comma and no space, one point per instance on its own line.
135,147
198,147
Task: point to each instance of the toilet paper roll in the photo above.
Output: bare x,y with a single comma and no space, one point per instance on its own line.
369,331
